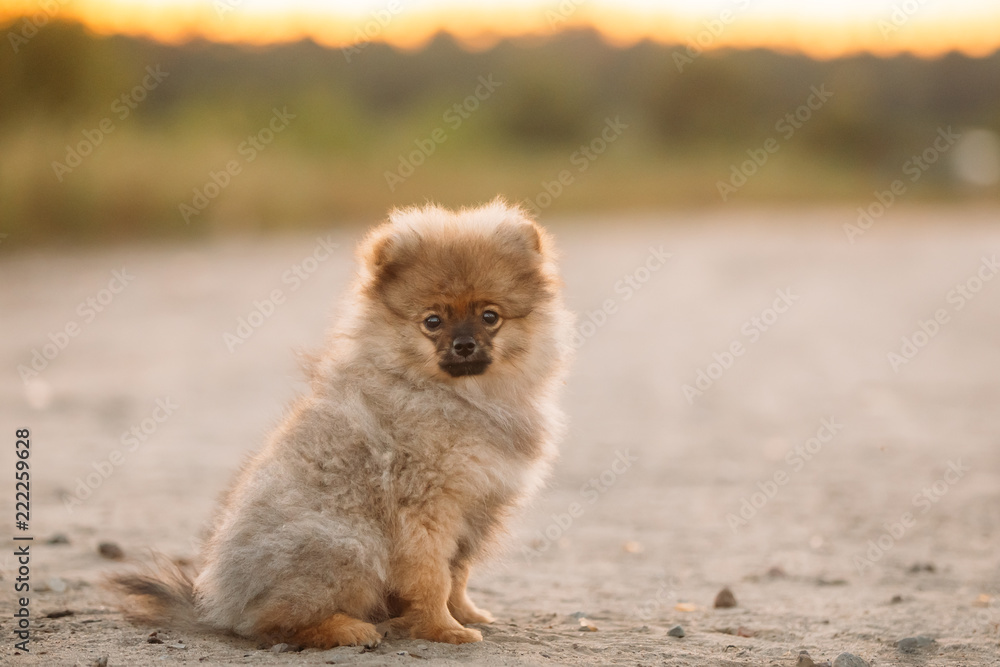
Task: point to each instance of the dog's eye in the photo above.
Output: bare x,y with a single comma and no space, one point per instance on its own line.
432,322
490,317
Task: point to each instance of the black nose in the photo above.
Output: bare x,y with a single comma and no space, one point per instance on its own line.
463,346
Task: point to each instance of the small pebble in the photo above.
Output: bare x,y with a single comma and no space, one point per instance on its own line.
777,572
823,581
804,660
849,660
922,567
99,662
279,648
676,631
632,547
910,644
586,626
402,653
153,639
180,646
896,599
58,538
110,550
684,606
725,599
982,601
56,585
59,614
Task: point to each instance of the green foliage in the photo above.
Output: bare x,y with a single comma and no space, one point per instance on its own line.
357,118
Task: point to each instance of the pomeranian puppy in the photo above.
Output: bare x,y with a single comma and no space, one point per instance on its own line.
431,415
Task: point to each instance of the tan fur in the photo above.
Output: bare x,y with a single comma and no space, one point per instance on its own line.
391,477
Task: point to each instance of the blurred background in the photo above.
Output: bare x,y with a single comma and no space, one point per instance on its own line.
116,114
773,215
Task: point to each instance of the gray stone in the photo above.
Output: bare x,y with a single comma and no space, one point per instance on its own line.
910,644
849,660
56,585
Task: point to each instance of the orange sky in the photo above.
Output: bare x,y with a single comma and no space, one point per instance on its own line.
823,29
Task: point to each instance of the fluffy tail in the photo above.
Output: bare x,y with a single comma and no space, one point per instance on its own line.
161,595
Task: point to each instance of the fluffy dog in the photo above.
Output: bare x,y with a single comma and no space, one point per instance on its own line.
431,416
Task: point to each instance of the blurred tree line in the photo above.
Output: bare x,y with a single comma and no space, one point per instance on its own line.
360,115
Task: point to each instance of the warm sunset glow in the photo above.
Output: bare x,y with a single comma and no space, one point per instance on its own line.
822,29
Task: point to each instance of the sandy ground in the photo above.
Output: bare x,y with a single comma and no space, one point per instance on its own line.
846,503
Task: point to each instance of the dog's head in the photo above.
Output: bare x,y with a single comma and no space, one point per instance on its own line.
459,294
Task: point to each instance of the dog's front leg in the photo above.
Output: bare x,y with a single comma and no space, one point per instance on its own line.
461,607
423,579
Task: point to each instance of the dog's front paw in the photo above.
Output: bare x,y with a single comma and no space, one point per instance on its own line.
472,614
448,635
395,628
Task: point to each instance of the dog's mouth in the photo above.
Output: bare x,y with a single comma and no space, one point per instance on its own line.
463,368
